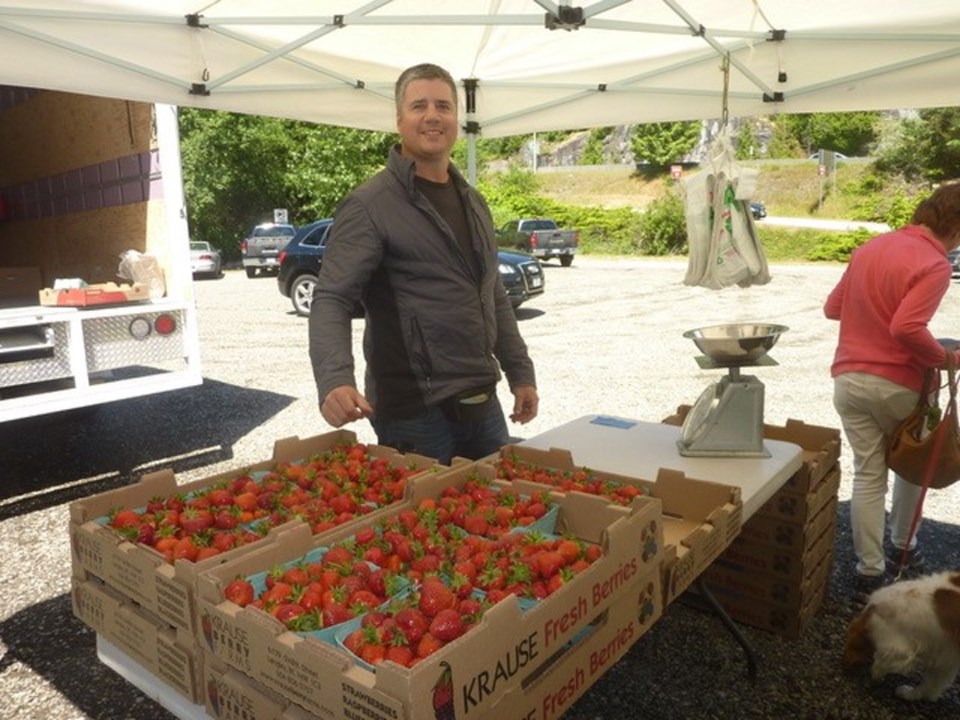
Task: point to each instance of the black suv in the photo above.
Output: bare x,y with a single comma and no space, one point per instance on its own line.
300,261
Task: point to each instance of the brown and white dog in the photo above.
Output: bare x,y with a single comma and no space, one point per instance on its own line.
912,626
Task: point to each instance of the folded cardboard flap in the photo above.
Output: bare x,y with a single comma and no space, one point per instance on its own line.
691,498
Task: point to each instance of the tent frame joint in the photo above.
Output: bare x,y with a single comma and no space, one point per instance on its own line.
777,35
193,20
199,89
776,97
566,18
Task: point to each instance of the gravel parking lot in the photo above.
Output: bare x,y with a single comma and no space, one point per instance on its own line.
606,338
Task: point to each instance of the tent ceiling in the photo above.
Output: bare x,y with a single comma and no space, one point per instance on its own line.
605,62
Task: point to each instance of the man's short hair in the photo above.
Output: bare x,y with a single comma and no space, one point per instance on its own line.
423,71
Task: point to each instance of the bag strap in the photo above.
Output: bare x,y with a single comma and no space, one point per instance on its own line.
951,409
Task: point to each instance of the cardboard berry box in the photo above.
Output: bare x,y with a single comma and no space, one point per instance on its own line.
700,517
170,654
509,644
143,574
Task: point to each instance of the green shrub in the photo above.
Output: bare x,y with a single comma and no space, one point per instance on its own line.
838,247
663,227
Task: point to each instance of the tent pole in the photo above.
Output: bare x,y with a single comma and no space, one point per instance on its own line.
472,128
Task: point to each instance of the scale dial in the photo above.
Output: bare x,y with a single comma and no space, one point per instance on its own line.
696,421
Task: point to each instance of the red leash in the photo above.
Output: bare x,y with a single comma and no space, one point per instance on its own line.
927,479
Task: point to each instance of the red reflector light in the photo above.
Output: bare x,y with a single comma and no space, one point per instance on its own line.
283,254
165,324
534,240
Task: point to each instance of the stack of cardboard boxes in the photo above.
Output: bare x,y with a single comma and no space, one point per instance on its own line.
774,574
147,607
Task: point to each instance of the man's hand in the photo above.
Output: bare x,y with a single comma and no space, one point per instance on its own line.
344,404
525,404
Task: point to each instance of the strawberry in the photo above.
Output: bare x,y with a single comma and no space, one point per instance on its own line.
476,524
338,556
549,563
296,575
412,623
428,645
286,612
194,520
125,518
400,654
335,613
185,549
373,653
447,625
435,596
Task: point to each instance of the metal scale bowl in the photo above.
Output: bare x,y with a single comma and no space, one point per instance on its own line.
727,418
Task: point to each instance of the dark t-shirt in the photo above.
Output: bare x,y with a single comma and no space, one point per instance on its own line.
447,202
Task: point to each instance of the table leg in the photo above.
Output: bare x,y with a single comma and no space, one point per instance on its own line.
748,650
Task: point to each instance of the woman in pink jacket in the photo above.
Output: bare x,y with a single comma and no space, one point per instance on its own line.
884,302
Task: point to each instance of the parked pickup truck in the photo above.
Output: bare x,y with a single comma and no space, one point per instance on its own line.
541,238
261,249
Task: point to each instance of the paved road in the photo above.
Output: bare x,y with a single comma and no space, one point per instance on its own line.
606,337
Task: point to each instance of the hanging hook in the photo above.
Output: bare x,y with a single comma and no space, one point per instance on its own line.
726,87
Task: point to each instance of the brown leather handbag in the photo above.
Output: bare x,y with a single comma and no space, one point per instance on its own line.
925,449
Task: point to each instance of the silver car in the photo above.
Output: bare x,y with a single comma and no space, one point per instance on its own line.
205,260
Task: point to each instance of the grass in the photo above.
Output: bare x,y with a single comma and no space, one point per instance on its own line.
787,188
791,189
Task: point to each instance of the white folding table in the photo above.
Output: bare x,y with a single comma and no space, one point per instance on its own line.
640,449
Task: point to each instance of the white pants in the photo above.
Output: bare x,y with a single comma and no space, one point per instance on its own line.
870,407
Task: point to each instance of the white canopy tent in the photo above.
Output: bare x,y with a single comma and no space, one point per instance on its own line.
525,65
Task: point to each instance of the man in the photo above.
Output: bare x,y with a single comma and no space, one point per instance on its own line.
415,245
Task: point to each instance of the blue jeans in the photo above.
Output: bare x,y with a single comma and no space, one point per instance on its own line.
433,434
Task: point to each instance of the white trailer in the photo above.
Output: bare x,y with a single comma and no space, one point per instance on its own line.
84,180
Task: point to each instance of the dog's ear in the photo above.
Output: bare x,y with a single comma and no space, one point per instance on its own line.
859,648
946,606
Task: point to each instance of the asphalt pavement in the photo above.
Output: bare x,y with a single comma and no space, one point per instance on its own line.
606,337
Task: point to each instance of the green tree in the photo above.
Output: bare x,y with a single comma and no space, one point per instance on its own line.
851,133
747,146
593,149
943,142
661,144
238,168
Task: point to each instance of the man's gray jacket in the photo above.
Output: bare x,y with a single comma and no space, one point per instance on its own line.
433,328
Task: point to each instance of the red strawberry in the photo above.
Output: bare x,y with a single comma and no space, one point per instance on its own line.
125,518
447,625
335,613
428,645
400,654
412,624
435,596
549,563
239,592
